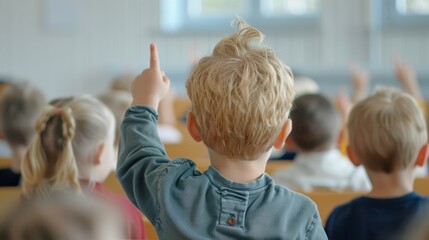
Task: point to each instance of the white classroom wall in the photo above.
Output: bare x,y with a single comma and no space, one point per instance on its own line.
109,37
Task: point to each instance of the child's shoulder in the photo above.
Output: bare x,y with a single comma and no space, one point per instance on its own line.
299,200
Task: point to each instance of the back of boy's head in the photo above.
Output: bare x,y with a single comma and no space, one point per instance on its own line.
118,102
241,95
315,122
68,136
387,130
20,105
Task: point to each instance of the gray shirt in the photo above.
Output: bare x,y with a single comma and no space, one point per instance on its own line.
183,203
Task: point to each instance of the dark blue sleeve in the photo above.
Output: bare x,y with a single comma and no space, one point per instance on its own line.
330,224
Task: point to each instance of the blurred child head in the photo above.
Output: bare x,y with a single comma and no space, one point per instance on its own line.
387,132
241,96
122,82
118,102
63,217
20,105
316,123
305,85
75,141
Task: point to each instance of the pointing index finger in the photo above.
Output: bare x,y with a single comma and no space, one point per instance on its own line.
154,60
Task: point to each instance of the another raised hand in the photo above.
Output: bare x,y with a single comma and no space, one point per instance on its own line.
151,85
360,80
407,77
344,104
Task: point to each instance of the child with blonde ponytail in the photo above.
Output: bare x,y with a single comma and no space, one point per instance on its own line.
50,164
74,150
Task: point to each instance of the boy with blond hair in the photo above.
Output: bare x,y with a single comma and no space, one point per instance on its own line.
241,97
388,137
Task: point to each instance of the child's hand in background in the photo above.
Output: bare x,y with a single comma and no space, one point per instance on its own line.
344,104
407,77
151,85
360,81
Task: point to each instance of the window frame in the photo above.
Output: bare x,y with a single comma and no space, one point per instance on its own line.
391,18
177,21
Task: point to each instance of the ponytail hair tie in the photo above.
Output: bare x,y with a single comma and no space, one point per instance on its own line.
58,112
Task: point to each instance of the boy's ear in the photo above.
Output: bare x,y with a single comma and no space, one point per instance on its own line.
352,156
98,154
284,133
191,125
423,155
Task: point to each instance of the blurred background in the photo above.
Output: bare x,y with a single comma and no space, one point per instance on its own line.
68,47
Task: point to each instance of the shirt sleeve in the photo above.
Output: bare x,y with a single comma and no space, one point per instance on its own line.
316,231
142,159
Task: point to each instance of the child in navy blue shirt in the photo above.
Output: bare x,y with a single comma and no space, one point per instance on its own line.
388,137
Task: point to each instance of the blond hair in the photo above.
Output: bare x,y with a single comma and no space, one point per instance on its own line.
387,130
241,95
122,82
49,164
118,102
87,122
64,217
20,105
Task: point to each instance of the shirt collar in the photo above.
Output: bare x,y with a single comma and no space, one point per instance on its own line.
254,186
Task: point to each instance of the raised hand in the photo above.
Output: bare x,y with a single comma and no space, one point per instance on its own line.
360,81
151,85
344,104
407,77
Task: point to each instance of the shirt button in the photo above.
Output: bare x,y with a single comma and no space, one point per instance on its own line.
232,221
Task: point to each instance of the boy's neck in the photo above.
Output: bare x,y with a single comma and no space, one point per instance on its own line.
18,155
391,185
236,170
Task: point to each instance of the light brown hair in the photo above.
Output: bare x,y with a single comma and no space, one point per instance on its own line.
387,130
118,102
241,95
64,216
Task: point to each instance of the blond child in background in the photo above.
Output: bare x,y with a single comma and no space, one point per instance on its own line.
74,151
167,119
20,105
388,136
63,217
241,97
118,102
319,163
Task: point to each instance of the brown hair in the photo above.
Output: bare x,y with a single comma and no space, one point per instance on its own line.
20,105
315,122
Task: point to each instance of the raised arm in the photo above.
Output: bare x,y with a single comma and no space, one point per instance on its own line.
150,87
142,157
407,77
360,80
